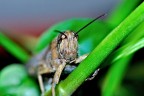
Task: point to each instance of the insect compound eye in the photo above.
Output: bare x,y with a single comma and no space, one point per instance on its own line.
63,36
59,39
76,35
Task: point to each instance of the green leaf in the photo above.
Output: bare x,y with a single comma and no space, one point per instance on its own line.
13,48
122,10
28,88
137,34
12,75
125,51
120,60
115,75
14,81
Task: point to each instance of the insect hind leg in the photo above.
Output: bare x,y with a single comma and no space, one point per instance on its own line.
42,69
93,75
40,80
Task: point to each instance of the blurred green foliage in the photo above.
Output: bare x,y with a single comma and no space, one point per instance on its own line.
14,81
13,48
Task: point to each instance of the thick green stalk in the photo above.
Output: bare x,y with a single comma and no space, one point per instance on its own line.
13,48
131,44
90,64
120,61
122,10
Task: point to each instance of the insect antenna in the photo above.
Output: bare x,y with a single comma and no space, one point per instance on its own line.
60,32
90,23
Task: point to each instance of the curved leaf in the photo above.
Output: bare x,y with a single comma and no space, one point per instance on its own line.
13,48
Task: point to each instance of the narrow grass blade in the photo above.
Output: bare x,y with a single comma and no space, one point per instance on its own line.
126,50
122,10
115,76
13,48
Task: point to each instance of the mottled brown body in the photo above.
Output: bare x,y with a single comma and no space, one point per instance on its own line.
63,50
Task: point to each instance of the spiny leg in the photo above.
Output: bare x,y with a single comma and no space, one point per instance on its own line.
57,77
40,80
94,74
59,71
42,69
81,58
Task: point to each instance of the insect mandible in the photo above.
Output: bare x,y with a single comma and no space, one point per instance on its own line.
62,51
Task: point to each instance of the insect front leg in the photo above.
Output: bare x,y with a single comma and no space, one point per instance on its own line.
57,76
93,75
81,58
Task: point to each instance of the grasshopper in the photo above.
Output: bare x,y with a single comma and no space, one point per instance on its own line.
62,52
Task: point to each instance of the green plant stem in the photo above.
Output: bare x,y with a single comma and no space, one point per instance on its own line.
121,11
125,50
90,64
131,44
136,34
13,48
120,59
115,75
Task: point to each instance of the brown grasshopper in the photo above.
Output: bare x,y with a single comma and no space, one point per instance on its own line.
62,52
